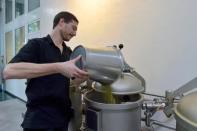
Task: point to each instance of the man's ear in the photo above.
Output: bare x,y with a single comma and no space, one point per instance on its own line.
61,22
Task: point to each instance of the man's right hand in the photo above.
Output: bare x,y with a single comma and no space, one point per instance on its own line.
70,70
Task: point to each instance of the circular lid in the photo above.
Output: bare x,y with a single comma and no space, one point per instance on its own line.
127,84
187,109
124,85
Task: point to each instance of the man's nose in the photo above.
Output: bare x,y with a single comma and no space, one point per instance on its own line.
74,33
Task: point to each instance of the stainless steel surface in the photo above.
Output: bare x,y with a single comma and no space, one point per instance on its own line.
171,95
126,84
186,87
186,113
125,116
104,65
151,107
129,69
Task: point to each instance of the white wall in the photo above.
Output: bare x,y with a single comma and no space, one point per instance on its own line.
1,28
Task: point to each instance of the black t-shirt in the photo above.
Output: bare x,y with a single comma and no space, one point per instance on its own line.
48,103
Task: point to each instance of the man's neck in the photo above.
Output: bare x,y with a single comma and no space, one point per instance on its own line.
57,40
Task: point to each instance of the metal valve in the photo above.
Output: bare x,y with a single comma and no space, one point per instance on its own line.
151,107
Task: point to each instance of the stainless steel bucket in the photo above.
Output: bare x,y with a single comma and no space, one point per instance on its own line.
104,65
123,116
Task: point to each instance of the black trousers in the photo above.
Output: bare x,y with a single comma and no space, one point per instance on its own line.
57,129
65,128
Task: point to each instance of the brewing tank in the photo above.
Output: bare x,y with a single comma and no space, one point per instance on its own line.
186,113
125,115
118,111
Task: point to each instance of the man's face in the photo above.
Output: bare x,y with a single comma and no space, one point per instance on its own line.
68,30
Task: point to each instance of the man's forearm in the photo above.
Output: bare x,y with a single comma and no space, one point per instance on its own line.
28,70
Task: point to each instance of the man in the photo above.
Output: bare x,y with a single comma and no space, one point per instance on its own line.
45,63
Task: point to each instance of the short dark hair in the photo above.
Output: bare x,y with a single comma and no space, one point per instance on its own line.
68,17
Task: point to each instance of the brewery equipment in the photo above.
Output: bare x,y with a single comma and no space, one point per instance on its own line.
126,84
122,116
124,113
110,73
106,66
186,113
184,110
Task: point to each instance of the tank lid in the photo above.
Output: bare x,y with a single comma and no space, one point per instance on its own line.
186,109
125,85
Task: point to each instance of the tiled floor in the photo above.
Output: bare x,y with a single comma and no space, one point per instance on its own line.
10,115
11,110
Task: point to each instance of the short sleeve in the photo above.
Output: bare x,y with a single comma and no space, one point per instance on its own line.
28,53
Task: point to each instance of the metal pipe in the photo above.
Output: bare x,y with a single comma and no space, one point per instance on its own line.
176,100
186,87
153,95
